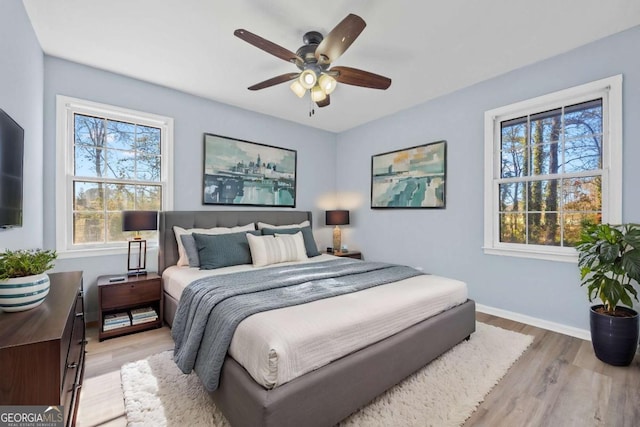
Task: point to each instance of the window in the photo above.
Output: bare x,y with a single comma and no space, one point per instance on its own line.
109,159
552,164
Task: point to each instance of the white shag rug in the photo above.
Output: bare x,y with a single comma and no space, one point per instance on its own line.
157,393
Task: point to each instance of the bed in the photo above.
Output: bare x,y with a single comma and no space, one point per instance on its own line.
328,394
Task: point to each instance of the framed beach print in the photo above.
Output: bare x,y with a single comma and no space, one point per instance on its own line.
410,178
245,173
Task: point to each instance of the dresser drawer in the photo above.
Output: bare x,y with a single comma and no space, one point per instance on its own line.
76,344
72,383
126,294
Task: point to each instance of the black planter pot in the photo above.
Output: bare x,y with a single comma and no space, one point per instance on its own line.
615,339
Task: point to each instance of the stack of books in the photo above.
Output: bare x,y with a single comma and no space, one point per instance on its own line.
115,321
143,315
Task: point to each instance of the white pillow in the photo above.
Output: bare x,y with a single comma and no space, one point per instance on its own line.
267,250
304,223
183,259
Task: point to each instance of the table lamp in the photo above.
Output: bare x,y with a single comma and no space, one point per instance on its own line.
337,217
138,221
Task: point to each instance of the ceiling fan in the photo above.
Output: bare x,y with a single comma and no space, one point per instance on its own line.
314,59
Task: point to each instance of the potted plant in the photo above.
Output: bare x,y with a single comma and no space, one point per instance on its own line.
23,282
609,262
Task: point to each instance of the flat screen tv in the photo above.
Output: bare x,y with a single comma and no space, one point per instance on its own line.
11,155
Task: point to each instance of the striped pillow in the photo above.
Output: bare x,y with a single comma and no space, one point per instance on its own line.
267,250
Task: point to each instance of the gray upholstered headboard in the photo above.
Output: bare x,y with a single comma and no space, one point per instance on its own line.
168,248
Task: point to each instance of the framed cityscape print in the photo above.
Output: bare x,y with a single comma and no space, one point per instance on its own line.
245,173
410,178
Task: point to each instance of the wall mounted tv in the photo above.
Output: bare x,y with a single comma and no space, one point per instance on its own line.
11,155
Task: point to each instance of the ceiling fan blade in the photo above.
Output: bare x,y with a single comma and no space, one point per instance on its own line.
267,46
324,102
355,77
274,81
339,39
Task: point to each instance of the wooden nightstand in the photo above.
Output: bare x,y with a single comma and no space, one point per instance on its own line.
131,293
350,254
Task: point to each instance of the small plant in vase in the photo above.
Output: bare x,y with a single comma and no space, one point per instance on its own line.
24,282
609,262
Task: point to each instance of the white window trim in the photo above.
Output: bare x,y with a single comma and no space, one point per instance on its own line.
611,91
65,109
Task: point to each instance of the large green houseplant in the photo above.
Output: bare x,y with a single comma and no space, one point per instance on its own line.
609,262
23,281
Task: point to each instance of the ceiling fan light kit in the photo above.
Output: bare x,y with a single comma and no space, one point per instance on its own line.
314,59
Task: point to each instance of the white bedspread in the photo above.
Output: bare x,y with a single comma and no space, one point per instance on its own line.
279,345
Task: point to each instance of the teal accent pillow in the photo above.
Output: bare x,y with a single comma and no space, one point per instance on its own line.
223,250
307,235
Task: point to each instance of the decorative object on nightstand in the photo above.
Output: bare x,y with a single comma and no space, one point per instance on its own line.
138,221
132,304
337,218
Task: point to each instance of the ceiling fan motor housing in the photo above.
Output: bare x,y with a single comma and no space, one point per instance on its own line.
312,37
307,52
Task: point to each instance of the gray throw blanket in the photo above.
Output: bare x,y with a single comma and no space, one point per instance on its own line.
211,308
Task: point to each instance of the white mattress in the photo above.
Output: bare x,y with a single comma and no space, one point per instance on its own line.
279,345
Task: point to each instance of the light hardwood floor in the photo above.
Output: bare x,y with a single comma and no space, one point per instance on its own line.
101,400
557,382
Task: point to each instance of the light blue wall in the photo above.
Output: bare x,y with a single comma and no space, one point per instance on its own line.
449,242
446,242
193,116
21,74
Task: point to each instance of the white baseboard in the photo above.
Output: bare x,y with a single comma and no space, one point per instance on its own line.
534,321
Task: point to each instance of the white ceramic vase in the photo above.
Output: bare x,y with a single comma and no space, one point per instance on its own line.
23,293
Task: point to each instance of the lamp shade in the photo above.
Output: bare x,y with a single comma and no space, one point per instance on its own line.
139,220
337,217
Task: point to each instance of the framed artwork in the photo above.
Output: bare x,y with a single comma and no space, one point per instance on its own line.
245,173
410,178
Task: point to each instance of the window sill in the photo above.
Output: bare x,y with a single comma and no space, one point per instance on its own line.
565,256
93,252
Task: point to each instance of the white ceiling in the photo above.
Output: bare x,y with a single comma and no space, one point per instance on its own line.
427,48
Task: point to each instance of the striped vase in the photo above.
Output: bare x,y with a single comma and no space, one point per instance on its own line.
23,293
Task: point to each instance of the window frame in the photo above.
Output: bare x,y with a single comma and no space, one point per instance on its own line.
66,108
610,90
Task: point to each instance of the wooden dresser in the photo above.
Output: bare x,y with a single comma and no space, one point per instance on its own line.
42,349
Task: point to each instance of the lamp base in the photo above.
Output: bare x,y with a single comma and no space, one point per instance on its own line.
337,237
137,258
137,273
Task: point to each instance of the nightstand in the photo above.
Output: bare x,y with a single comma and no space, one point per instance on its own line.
350,254
124,296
